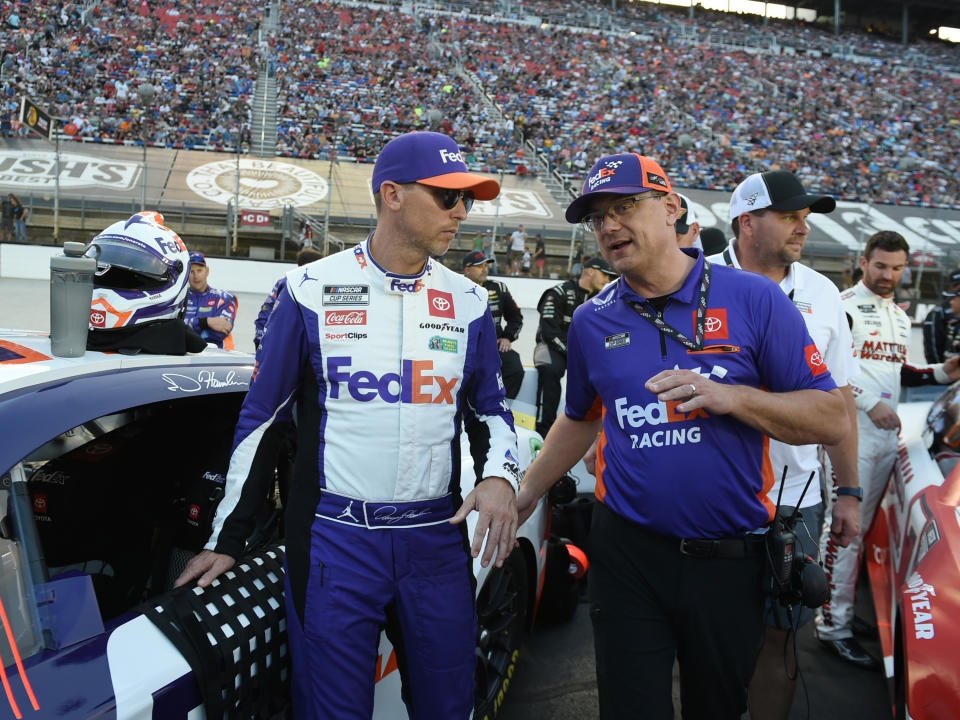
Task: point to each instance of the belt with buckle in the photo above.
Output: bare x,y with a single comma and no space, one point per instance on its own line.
384,515
731,548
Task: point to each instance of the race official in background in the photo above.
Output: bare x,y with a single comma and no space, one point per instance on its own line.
685,368
210,312
881,338
769,216
941,327
556,308
374,528
507,316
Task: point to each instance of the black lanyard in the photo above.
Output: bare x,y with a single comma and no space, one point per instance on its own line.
656,319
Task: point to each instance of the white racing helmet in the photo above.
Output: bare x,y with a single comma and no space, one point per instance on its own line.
142,273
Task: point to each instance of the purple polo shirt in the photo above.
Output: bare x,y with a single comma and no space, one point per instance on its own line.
697,474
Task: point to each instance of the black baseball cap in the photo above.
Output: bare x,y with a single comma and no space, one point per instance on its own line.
776,190
598,263
474,257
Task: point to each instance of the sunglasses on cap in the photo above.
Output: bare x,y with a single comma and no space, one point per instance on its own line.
449,198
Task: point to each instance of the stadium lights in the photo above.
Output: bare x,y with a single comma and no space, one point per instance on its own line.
950,34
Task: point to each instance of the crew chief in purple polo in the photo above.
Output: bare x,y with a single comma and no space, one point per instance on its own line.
383,350
684,368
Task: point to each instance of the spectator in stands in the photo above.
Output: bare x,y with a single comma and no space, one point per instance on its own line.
941,327
307,255
210,312
556,308
525,263
540,255
507,316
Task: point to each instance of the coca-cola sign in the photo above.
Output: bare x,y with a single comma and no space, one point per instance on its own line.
346,317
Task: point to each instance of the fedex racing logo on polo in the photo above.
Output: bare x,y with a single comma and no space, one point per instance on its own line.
415,384
448,156
658,413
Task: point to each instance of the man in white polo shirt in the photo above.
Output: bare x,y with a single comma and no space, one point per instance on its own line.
768,213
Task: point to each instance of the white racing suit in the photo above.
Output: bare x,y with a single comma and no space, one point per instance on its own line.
881,337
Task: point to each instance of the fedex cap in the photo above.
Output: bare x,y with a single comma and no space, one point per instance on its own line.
429,158
197,258
776,190
621,174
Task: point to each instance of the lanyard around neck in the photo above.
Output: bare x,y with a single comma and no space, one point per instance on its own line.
656,318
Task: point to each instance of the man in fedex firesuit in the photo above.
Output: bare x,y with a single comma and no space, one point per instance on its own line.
382,349
211,312
881,337
684,368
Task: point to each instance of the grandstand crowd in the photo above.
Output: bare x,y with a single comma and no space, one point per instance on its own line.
714,98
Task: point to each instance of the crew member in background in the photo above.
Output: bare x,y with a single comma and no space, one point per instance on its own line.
881,337
307,255
941,327
375,531
556,308
687,227
685,368
504,310
768,212
210,312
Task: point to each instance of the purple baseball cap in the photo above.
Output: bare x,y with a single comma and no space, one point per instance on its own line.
197,258
429,158
622,174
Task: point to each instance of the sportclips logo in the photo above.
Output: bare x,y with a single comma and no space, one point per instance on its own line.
658,413
415,384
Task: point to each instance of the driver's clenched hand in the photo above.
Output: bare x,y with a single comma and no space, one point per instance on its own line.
206,566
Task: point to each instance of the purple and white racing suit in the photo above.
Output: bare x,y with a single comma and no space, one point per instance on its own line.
380,367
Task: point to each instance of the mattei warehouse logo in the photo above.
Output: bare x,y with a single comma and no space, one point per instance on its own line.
27,170
264,184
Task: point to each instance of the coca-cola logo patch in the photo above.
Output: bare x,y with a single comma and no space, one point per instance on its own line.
346,317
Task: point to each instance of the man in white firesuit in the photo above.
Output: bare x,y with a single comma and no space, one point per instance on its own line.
881,337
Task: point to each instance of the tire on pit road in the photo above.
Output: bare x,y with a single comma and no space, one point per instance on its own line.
502,620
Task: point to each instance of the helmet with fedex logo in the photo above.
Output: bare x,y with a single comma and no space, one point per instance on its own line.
142,273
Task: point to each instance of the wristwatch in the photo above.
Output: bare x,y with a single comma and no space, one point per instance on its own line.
852,492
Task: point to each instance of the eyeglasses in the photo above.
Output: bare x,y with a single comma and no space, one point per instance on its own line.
449,198
593,221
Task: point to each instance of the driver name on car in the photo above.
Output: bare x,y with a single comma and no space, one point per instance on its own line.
685,368
382,349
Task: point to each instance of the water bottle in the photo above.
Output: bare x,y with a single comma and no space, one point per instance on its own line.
71,292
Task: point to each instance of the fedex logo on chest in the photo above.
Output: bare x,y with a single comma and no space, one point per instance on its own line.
415,384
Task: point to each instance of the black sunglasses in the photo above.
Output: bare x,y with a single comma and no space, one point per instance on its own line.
449,198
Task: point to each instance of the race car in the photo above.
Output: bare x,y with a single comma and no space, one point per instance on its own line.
111,466
913,559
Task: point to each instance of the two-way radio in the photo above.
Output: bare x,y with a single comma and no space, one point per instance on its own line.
792,578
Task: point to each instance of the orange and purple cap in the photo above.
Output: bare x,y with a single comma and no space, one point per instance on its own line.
429,158
621,174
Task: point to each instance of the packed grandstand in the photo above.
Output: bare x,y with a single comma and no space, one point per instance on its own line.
526,86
